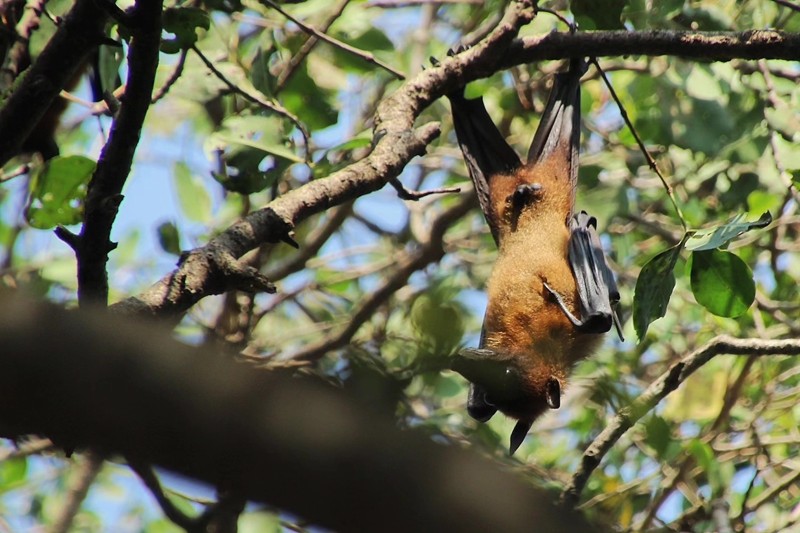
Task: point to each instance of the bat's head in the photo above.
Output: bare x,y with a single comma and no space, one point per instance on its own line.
515,395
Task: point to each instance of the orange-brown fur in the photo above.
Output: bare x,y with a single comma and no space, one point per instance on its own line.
522,317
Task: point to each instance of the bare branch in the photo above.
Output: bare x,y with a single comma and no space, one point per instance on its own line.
658,390
80,32
396,142
105,188
77,489
294,443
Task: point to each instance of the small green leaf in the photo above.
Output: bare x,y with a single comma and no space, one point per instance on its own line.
711,238
183,22
598,14
109,59
192,195
659,434
722,282
440,324
653,289
169,238
58,192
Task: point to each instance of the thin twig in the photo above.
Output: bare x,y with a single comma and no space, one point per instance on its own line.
406,194
176,73
275,107
650,161
27,448
366,56
287,73
786,3
76,492
148,477
658,390
18,56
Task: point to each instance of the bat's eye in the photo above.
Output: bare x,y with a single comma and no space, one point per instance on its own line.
553,393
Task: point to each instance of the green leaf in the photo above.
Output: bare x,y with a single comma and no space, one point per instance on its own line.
711,238
192,195
59,191
109,59
722,282
440,324
261,133
659,434
183,22
598,14
653,289
169,238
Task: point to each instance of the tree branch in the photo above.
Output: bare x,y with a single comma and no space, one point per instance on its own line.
658,390
396,143
105,188
295,443
80,32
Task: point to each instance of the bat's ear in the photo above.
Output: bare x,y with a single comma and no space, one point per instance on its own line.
552,393
519,434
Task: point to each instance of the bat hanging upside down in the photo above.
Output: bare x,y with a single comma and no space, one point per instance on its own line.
551,294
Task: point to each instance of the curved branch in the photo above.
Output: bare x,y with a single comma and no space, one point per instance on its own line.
396,143
80,32
295,443
658,390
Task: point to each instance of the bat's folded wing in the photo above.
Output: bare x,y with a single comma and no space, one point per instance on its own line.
597,289
486,152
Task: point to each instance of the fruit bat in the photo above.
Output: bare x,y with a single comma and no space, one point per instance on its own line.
551,294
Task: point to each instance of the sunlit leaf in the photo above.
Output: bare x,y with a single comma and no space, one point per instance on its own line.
169,238
59,191
192,194
715,237
722,282
183,22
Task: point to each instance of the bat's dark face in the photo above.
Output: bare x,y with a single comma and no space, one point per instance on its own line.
517,399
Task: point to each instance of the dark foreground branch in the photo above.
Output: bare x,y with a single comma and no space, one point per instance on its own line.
121,388
658,390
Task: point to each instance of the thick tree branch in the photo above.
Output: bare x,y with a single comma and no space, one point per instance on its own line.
658,390
105,189
396,143
707,46
96,381
80,32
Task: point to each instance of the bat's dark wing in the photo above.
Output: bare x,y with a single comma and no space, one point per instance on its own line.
597,289
560,126
486,152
